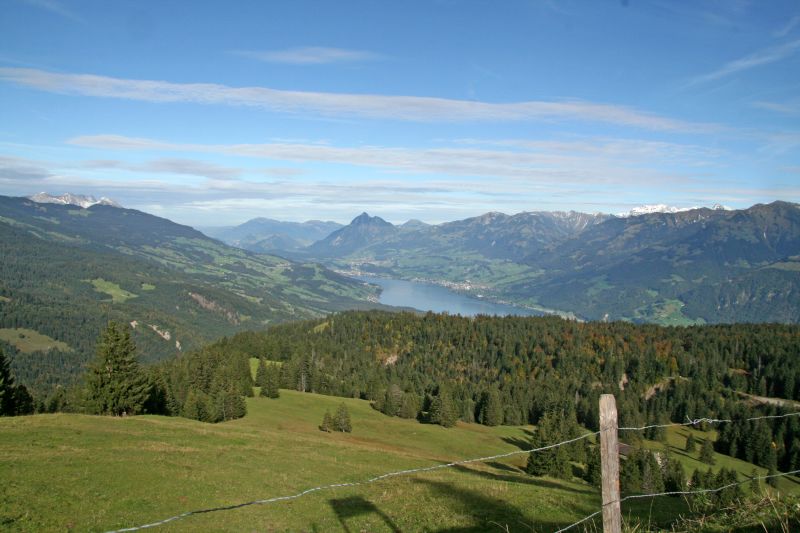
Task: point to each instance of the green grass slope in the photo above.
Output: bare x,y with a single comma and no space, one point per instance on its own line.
84,473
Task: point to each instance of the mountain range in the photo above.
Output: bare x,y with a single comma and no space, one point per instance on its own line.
268,235
67,270
656,264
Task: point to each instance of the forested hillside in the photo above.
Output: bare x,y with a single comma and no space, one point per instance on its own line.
514,370
66,271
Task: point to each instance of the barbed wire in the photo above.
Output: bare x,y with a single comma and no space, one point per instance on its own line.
677,493
457,463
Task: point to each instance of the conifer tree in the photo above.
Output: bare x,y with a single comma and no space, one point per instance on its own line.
691,445
410,406
327,422
7,387
552,462
272,382
707,452
392,400
341,420
115,383
196,406
593,474
228,404
772,481
491,413
442,410
261,375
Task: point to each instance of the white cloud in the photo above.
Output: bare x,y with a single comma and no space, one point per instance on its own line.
783,108
309,55
584,161
371,106
189,167
756,59
788,27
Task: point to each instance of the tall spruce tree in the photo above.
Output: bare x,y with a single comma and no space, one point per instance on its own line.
491,413
341,420
115,384
443,411
261,375
7,388
707,452
690,444
327,422
272,382
552,462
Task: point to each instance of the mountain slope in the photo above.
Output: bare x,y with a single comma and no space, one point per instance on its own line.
361,232
673,267
66,270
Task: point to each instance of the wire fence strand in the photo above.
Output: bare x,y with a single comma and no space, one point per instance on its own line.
677,493
691,422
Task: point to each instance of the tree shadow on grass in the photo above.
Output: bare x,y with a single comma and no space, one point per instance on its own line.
519,442
521,478
487,513
356,506
504,466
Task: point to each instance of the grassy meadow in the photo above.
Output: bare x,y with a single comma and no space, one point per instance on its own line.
66,472
29,340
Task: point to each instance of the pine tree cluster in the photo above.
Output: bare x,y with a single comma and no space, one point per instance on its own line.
14,398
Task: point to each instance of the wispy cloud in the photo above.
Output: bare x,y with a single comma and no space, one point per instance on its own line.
370,106
792,108
788,27
188,167
620,161
309,55
750,61
55,7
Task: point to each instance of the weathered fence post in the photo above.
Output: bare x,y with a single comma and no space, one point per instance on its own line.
609,462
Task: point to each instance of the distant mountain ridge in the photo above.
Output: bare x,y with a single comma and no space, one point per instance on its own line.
268,235
72,199
666,265
664,208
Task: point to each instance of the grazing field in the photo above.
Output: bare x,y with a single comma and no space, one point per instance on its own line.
67,472
29,340
117,293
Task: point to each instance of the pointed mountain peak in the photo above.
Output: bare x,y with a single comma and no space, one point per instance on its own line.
364,218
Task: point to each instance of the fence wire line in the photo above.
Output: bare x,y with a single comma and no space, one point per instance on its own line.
696,421
676,493
449,465
356,483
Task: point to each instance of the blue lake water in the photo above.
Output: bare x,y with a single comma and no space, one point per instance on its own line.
431,297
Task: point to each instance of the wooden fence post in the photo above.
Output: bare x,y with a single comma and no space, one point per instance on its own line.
609,463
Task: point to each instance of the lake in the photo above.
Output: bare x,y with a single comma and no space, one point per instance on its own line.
432,297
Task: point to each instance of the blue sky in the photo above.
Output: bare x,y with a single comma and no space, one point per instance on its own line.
211,113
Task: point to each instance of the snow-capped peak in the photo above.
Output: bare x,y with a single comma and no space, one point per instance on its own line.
72,199
664,208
